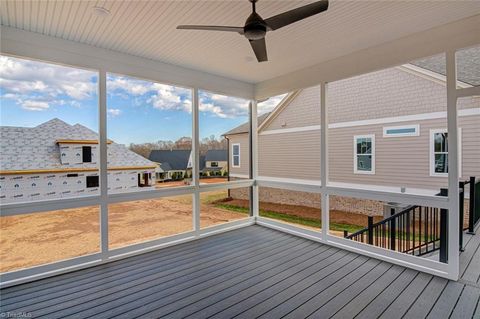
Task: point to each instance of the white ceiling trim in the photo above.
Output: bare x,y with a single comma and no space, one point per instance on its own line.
35,46
452,36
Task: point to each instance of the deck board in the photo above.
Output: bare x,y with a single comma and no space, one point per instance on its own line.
252,272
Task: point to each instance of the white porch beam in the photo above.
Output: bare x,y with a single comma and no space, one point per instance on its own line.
452,36
35,46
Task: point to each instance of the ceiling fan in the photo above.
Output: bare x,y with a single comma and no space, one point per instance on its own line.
256,28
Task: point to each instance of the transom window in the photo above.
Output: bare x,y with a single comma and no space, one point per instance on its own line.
236,155
399,131
364,154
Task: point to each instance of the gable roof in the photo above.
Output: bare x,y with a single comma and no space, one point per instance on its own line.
245,127
175,159
264,118
36,148
217,155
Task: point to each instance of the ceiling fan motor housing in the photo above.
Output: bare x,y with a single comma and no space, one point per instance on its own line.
255,27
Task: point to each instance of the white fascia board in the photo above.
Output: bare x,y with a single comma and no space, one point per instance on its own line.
36,46
452,36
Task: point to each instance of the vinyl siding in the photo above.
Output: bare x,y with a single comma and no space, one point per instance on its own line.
290,155
402,161
243,140
303,110
471,146
399,161
386,93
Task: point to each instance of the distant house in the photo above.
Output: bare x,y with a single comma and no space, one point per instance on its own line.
177,164
216,163
396,139
58,160
171,164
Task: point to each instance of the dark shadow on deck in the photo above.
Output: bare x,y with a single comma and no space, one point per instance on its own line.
247,273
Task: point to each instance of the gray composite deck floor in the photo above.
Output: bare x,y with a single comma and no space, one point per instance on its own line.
253,272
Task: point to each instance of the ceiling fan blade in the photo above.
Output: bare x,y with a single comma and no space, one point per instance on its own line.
289,17
211,28
260,49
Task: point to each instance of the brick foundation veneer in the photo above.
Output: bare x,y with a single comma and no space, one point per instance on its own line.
289,197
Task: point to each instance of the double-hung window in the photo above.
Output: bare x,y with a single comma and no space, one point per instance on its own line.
364,154
439,152
235,155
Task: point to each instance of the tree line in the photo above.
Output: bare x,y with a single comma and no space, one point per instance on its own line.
183,143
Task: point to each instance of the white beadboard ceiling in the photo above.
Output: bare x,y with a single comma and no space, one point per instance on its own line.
147,29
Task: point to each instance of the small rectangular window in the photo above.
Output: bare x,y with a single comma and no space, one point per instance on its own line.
214,164
87,154
400,131
236,155
364,154
92,181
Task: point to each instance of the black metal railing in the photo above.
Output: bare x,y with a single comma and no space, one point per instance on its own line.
474,204
420,230
416,230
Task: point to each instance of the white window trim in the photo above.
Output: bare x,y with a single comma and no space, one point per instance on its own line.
233,161
414,126
355,168
432,153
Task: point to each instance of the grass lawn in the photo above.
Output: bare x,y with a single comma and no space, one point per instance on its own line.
293,219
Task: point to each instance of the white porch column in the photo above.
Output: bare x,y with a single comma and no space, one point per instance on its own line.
102,103
324,159
254,157
196,161
453,178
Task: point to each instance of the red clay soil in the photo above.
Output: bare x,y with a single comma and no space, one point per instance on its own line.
213,180
308,212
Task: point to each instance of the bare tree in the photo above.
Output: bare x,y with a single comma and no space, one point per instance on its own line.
183,143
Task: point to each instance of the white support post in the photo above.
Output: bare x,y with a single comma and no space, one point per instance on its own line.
196,161
324,160
254,157
453,178
102,102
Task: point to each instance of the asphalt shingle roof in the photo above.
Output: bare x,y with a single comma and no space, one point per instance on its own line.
244,128
468,65
28,148
217,155
176,159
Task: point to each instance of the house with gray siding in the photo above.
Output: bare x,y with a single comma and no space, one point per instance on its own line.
387,130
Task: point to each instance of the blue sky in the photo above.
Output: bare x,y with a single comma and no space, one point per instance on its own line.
138,111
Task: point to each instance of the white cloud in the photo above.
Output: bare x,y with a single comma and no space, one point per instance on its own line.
35,105
27,77
114,112
270,104
223,106
159,96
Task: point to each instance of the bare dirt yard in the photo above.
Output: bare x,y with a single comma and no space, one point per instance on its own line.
35,239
